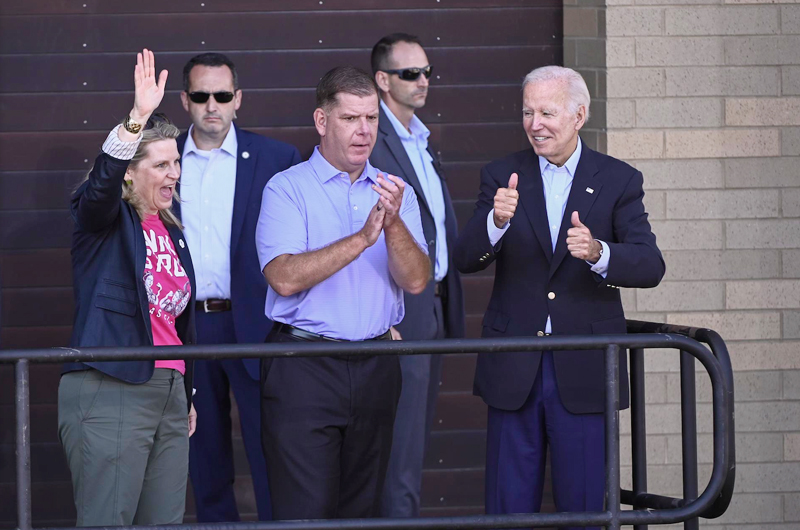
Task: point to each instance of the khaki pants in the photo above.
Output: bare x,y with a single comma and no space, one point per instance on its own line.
127,447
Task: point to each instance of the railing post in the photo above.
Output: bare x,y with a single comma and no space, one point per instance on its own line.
689,434
638,428
23,444
612,436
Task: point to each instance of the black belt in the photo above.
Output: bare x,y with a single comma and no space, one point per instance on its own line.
286,329
213,305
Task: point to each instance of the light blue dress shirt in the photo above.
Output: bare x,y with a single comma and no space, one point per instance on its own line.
208,186
308,207
416,145
557,183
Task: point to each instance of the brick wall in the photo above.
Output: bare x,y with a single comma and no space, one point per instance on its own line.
702,97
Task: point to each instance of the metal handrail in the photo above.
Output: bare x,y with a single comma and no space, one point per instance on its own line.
706,502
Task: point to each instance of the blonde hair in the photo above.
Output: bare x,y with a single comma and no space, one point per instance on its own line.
158,128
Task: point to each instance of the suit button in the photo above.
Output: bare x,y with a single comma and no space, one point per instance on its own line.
540,333
551,295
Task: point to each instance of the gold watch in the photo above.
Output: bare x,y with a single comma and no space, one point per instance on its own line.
131,126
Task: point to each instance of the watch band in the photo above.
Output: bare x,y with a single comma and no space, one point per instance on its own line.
131,126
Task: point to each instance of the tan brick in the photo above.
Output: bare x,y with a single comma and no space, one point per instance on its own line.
767,477
754,508
620,52
734,20
646,316
764,416
791,326
762,294
688,235
743,2
655,388
789,49
765,355
790,19
656,449
792,508
580,21
762,173
790,141
628,299
762,234
635,144
635,82
630,21
791,446
750,386
751,50
723,81
681,174
733,325
675,2
762,111
682,296
791,263
615,3
790,80
679,51
790,202
679,112
620,114
722,264
655,204
590,53
722,204
791,385
750,447
709,143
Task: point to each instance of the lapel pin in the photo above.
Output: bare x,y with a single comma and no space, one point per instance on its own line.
590,190
245,155
181,243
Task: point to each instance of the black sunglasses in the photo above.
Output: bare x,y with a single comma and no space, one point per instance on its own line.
202,97
411,74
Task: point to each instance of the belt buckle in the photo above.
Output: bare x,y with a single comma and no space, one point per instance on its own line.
205,307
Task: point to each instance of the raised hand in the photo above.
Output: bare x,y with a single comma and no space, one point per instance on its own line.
374,224
148,93
505,202
390,189
580,242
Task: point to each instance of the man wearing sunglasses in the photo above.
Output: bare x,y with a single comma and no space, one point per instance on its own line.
225,170
402,72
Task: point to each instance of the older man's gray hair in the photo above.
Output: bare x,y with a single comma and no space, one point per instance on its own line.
578,92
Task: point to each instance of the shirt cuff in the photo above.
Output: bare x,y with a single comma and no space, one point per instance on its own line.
120,150
601,267
495,234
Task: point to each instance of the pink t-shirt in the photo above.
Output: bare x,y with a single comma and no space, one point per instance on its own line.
167,286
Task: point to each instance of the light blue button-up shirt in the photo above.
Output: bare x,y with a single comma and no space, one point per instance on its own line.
416,145
557,183
308,207
208,186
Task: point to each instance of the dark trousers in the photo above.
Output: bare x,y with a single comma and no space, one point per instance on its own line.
516,447
211,466
327,432
412,425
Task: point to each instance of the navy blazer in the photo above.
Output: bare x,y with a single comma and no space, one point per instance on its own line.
108,258
264,158
607,193
390,156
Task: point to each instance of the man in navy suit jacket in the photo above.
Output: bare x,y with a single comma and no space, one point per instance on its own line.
437,312
224,173
566,227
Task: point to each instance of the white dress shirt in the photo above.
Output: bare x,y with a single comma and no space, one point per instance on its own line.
557,183
208,184
416,145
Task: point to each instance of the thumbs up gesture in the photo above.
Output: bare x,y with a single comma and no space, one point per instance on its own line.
580,242
505,202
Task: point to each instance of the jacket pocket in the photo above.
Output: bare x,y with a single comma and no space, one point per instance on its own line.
116,296
610,326
496,320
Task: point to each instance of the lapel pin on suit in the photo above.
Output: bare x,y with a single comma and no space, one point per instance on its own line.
590,190
181,243
245,155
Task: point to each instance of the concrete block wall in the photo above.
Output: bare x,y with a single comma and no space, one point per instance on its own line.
703,96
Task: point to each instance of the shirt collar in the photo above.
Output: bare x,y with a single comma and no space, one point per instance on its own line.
570,164
417,127
229,145
325,170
